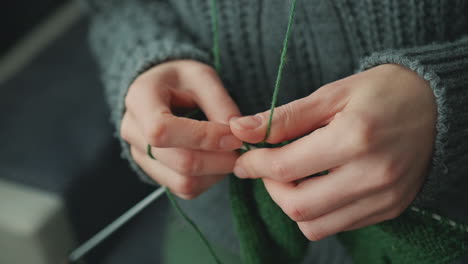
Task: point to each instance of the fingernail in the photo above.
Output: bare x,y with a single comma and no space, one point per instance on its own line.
240,172
250,122
229,142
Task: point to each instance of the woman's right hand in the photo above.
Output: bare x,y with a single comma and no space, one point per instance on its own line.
191,155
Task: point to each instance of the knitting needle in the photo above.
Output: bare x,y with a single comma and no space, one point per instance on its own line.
87,246
91,243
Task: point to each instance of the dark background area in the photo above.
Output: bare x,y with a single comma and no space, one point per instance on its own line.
18,17
59,138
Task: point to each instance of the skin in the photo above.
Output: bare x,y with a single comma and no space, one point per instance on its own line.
191,155
373,131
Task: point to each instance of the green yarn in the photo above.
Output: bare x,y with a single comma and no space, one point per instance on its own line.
214,26
268,236
149,152
193,225
279,75
181,212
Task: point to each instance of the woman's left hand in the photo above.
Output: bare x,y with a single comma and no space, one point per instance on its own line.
373,131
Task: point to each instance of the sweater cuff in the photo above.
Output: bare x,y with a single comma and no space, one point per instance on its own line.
131,65
445,67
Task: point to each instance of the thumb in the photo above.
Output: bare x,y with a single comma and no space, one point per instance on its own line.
291,120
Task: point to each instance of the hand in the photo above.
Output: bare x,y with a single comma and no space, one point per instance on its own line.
373,131
191,155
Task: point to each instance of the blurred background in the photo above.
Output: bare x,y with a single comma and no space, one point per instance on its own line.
61,175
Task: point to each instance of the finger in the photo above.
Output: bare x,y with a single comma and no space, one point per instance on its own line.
196,163
311,154
334,222
316,196
210,95
396,199
373,208
293,119
319,195
303,204
184,161
150,93
371,220
185,187
128,130
169,131
151,109
343,218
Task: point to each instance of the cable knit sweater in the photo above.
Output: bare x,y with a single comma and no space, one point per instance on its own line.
331,39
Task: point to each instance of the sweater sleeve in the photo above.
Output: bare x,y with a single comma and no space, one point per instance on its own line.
445,67
129,37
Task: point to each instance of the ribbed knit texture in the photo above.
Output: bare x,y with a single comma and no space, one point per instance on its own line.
411,238
332,39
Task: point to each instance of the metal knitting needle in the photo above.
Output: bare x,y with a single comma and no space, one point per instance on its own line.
91,243
87,246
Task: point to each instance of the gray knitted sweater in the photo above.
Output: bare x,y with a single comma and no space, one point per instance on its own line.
331,39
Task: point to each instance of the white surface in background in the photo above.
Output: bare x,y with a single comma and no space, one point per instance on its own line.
33,226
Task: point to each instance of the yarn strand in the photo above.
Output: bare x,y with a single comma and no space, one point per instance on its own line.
279,75
175,204
217,66
187,219
193,225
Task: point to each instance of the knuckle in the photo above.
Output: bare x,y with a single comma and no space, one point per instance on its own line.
294,211
186,164
393,199
201,138
394,213
280,171
128,101
195,68
203,69
186,187
312,233
361,136
156,134
124,132
131,101
388,177
287,114
134,154
189,196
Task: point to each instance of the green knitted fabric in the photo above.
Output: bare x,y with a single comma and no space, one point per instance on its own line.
411,238
266,234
